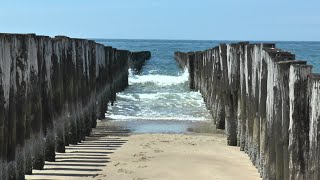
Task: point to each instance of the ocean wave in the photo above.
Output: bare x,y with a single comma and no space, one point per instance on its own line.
127,96
185,96
162,118
159,80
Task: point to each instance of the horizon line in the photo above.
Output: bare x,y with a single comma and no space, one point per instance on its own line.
164,39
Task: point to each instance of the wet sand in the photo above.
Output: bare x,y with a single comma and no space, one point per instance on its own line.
162,126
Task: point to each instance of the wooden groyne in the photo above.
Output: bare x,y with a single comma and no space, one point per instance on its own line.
267,102
52,91
138,59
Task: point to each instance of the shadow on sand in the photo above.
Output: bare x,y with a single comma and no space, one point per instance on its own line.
86,158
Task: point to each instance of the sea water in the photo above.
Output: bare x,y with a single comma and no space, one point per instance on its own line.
158,99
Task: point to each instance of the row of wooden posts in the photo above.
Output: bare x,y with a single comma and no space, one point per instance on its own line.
52,91
267,102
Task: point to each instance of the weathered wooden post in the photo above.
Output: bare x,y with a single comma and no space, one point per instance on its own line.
271,106
32,128
272,133
299,121
92,81
231,96
282,161
3,112
217,103
68,86
26,62
21,84
7,92
314,135
12,119
252,102
241,116
73,132
191,70
72,73
60,136
47,105
58,62
223,73
250,127
36,106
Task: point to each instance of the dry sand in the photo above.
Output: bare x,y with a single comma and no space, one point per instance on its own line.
115,154
178,156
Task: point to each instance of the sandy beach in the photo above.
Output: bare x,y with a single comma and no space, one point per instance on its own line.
118,154
178,156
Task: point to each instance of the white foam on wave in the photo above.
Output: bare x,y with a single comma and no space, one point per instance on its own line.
127,96
185,96
160,80
153,71
161,118
191,96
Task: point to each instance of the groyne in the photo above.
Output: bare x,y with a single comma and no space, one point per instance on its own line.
267,102
138,59
52,91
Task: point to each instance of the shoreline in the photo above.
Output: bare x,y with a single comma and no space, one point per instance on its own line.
163,126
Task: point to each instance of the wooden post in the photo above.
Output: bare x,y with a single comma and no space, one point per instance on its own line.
299,121
11,152
314,135
47,105
231,96
191,70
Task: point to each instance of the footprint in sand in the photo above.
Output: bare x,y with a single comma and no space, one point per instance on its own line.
165,141
144,159
158,151
148,145
142,166
124,171
120,164
193,144
141,157
140,154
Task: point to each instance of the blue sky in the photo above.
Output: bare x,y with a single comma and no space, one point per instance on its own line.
165,19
